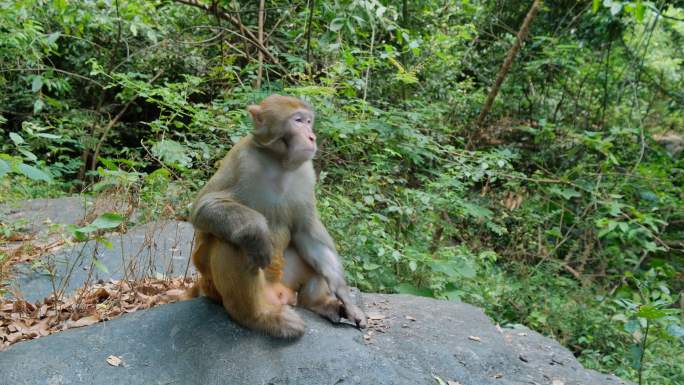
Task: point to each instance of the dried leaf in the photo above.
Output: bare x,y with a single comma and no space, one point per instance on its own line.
375,317
114,361
474,338
14,337
85,321
408,317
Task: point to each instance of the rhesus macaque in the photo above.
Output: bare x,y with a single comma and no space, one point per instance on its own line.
260,245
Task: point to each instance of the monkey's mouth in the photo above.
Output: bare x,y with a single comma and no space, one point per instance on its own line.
302,156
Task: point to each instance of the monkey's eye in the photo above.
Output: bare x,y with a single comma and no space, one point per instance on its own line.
299,120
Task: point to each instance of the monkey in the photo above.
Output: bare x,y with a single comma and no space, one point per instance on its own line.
260,244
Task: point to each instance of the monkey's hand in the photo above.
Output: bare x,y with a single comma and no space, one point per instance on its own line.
354,314
349,310
258,246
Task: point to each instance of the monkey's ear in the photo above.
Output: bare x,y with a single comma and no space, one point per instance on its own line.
255,111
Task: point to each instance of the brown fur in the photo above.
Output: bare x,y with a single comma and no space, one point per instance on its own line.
254,217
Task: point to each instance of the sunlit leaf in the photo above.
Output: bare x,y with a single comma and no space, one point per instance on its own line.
33,172
16,138
4,167
675,331
108,221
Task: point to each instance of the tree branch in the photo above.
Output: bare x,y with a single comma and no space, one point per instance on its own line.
503,72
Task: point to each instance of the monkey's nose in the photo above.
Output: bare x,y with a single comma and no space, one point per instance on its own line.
312,138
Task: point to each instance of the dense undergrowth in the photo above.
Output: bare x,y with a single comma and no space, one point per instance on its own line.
562,212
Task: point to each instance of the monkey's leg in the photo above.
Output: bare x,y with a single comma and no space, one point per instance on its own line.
244,293
200,258
313,292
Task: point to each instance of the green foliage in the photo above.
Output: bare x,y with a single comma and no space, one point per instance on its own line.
562,213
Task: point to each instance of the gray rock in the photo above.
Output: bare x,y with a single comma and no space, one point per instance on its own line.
150,250
194,342
36,215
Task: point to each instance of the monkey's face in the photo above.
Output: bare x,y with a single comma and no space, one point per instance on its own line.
298,138
284,127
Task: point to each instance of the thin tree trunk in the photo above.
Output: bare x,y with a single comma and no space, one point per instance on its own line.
113,122
503,72
260,37
370,63
312,4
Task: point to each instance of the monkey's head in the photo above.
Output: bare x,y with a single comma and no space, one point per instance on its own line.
283,125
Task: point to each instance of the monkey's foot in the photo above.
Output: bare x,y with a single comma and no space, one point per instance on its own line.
354,314
334,310
285,323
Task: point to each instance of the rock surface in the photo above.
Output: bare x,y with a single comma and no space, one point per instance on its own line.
411,340
194,342
36,215
160,248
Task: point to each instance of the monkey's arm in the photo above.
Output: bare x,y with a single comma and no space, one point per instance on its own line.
219,214
317,248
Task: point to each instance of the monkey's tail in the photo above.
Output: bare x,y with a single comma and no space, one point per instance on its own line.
191,292
175,295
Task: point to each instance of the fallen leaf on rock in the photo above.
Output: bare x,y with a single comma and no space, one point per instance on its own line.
21,320
85,321
14,337
474,338
375,317
114,361
557,382
453,383
439,380
408,317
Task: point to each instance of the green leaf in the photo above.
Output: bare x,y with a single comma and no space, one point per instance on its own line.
4,167
631,326
16,138
100,266
566,193
37,83
650,312
439,380
675,331
107,221
336,24
28,154
53,37
635,352
640,11
407,288
34,173
38,106
172,153
595,6
615,8
47,136
475,211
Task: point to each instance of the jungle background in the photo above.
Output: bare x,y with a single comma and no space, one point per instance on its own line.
561,208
